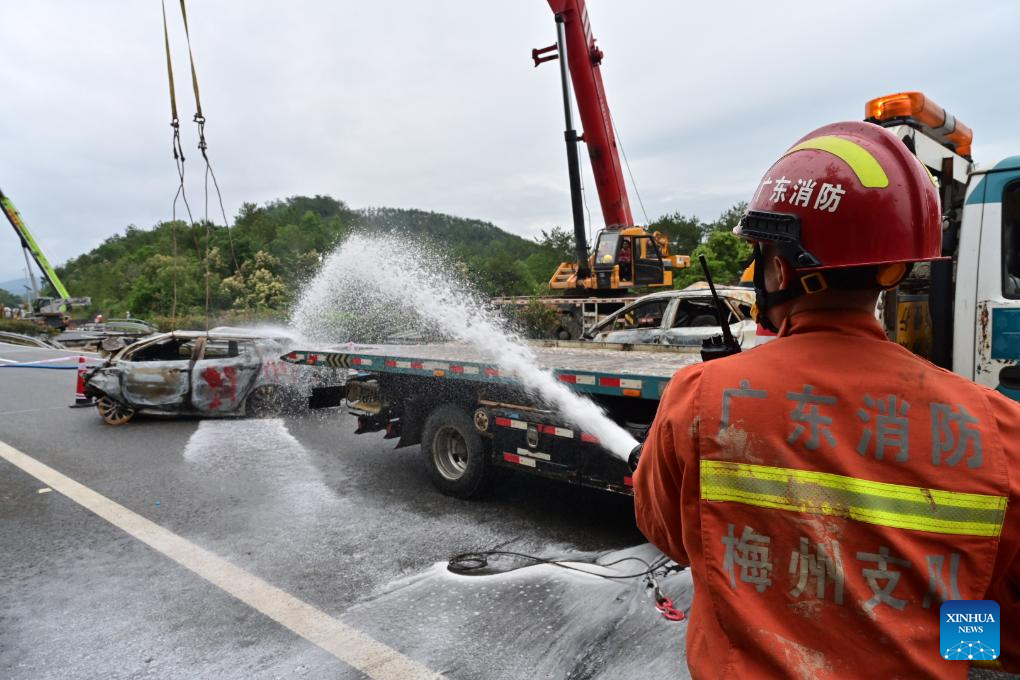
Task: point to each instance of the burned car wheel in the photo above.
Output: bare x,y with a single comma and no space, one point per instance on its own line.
454,452
267,401
113,412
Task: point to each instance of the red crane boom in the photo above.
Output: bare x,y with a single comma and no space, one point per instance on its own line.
584,58
625,255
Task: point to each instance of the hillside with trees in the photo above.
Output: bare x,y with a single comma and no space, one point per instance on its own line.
257,267
727,255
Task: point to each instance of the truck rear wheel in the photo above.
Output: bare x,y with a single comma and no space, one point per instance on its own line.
454,452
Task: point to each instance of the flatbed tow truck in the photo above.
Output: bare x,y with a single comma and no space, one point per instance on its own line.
963,312
470,417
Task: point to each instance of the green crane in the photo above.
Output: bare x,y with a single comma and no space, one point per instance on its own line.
29,244
50,311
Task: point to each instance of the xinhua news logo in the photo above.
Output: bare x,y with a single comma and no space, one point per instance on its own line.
969,630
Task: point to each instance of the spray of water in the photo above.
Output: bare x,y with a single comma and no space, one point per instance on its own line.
374,286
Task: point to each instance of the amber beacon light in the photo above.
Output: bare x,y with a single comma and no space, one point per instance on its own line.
915,108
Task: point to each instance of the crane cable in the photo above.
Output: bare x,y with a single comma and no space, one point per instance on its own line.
178,152
607,120
631,173
203,146
200,121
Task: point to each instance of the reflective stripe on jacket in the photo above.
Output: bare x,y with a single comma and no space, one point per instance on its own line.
829,490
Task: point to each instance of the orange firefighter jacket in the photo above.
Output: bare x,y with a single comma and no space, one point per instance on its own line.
829,490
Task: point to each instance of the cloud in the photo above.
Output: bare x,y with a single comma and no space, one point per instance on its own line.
437,106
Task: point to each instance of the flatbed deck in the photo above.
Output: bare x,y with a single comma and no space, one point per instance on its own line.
619,370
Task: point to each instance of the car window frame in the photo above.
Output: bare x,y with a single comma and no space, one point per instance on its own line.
129,352
611,321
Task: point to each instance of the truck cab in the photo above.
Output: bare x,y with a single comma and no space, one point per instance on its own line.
630,257
986,337
962,312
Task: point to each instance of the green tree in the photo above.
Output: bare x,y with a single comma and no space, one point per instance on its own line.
164,279
256,285
501,274
685,232
535,319
9,299
726,254
728,218
541,266
559,241
555,247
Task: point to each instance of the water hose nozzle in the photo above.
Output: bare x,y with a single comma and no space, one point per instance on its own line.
635,456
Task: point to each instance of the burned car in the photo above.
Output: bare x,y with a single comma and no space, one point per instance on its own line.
679,317
225,372
107,337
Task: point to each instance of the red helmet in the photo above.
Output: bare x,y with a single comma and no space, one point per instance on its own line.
846,195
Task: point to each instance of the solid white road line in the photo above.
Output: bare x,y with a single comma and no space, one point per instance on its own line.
346,643
20,349
34,410
27,348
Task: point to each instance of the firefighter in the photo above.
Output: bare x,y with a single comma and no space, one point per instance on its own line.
830,489
626,261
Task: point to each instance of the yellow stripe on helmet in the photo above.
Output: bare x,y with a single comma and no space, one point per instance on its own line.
860,160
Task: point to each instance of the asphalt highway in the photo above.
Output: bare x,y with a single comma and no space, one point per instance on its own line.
184,548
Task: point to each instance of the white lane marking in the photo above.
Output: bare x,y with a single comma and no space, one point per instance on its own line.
55,360
33,410
9,361
345,642
22,349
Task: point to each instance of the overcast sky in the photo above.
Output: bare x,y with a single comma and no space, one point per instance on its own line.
436,105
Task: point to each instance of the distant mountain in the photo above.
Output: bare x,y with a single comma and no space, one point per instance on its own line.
15,286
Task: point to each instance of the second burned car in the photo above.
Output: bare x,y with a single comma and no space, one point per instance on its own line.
678,317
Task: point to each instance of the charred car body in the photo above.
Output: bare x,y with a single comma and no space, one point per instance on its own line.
681,318
107,337
226,372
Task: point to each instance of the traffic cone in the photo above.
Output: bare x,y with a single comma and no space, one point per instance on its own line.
80,400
